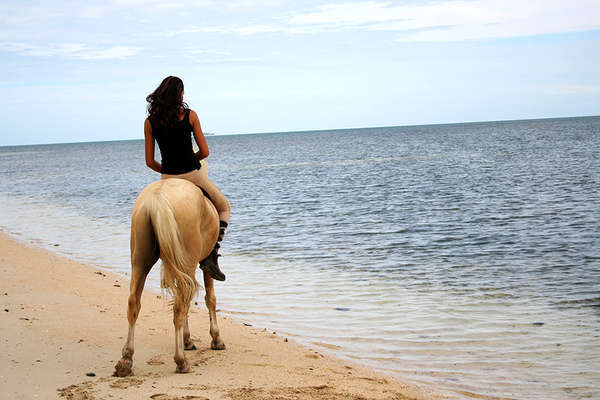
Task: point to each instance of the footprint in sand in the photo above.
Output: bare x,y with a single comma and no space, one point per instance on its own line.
124,383
162,396
155,361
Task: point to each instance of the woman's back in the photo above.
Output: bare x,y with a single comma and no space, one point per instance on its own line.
175,144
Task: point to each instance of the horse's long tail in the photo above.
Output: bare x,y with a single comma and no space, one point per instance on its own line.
175,259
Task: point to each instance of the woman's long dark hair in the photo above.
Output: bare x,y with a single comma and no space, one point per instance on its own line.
165,103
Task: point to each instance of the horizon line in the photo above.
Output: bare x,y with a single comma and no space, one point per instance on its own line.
314,130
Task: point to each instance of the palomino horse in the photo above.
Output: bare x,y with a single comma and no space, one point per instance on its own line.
173,220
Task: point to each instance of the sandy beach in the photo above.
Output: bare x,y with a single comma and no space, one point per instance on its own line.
64,323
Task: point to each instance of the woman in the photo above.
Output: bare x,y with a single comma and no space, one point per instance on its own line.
170,122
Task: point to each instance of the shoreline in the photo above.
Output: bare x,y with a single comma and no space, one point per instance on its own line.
63,319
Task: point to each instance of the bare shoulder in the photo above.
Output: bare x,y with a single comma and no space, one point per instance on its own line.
193,115
147,124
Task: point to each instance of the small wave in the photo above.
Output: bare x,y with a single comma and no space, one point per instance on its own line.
593,302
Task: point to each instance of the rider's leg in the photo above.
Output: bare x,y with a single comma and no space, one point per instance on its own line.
211,263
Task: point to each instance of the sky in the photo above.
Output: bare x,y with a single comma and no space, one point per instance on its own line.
74,71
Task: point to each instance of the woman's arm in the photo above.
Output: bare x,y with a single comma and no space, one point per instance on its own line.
149,144
203,151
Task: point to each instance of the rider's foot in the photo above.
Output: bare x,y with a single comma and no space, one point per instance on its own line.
211,265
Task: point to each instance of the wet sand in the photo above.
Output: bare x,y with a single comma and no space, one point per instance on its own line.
63,320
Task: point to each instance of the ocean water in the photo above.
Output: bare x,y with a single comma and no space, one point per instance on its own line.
462,256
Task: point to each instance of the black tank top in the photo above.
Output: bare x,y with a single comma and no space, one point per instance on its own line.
175,144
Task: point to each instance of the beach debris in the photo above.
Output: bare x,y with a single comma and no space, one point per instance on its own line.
538,324
56,244
341,309
24,318
116,285
100,273
90,374
245,323
80,340
285,339
6,309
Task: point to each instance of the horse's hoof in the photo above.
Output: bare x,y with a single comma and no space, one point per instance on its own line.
183,368
217,345
123,367
189,346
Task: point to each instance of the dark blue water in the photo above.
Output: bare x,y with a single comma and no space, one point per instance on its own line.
452,246
517,201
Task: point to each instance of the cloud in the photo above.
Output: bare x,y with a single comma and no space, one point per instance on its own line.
575,89
31,50
110,53
235,29
148,5
71,50
441,21
431,21
213,56
208,52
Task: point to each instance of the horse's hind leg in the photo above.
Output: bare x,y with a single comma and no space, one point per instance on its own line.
211,304
188,344
144,255
180,311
